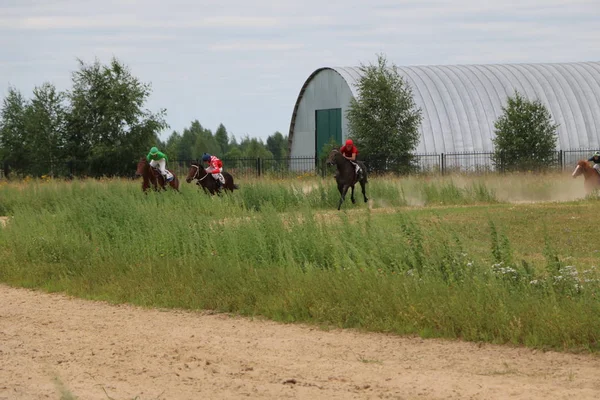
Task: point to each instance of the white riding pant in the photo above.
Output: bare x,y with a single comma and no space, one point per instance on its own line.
217,176
161,166
597,168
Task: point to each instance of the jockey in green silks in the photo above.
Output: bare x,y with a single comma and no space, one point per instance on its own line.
159,159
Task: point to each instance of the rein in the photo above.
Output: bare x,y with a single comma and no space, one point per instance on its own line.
197,171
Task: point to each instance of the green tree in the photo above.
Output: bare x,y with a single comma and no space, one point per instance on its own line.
233,149
107,126
525,136
324,153
222,139
254,148
45,127
234,152
277,144
185,146
384,120
172,145
12,130
206,143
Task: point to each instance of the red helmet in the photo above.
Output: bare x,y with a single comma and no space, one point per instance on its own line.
349,142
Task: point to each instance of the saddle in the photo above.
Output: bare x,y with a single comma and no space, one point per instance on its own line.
157,173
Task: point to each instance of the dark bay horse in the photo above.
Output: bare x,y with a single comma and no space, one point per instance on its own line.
346,175
153,178
206,180
591,178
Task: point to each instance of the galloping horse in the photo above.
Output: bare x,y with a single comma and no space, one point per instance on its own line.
346,175
590,175
153,177
206,180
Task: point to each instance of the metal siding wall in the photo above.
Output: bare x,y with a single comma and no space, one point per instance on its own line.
327,90
461,103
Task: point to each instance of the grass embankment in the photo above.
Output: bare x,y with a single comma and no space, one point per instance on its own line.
476,268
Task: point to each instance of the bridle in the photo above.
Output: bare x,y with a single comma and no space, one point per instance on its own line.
197,171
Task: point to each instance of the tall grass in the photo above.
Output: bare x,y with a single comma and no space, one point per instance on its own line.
433,272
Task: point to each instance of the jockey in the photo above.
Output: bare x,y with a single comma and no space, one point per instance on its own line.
159,159
350,152
596,159
215,166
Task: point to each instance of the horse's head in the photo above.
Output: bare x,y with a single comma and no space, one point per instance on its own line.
193,172
582,168
332,156
140,166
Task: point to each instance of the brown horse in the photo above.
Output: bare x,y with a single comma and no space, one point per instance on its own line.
591,177
206,180
346,176
152,177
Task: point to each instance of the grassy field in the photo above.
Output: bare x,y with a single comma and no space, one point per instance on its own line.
503,259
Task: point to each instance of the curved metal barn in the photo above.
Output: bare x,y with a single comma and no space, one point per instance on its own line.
460,104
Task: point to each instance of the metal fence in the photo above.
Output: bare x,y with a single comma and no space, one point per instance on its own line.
445,163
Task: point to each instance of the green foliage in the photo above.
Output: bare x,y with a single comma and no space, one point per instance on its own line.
45,127
107,125
525,136
254,148
222,139
384,120
172,145
100,127
205,141
324,153
327,147
12,129
277,144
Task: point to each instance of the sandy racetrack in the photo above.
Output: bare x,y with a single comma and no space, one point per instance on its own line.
156,354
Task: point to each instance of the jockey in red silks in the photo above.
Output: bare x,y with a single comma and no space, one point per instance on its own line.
350,151
215,166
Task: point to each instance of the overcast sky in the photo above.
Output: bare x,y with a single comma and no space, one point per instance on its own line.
243,62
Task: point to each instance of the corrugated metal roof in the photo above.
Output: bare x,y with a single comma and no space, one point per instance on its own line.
461,102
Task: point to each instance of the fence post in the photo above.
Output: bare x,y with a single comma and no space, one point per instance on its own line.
442,163
258,162
561,160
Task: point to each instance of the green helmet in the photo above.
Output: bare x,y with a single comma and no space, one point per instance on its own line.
597,154
153,150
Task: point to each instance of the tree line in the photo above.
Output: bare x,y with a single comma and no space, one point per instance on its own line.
100,126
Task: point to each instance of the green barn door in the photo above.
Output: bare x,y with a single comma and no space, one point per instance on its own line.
329,125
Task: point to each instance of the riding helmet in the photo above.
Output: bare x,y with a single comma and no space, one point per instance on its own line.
206,157
153,150
349,142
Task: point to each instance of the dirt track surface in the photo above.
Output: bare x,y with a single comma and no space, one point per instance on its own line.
157,354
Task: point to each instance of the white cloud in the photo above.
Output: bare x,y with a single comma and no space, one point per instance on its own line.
203,56
254,46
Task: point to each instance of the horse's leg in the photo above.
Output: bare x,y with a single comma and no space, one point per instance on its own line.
340,188
364,191
352,195
343,197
